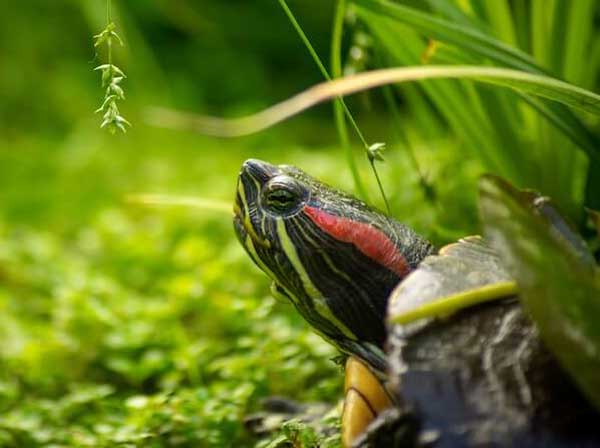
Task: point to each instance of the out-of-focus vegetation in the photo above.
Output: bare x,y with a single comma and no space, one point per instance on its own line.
138,326
532,143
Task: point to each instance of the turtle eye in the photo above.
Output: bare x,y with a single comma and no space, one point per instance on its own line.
281,199
283,195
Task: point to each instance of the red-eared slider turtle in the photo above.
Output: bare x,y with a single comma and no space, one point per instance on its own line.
479,376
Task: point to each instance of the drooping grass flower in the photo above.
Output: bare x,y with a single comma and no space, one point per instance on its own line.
111,78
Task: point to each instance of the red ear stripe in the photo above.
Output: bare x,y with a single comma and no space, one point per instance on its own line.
369,240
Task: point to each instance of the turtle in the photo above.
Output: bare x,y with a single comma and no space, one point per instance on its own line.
475,376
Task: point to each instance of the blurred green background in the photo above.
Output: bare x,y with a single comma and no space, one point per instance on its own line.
141,326
148,326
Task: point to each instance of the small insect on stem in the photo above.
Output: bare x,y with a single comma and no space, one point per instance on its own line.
111,77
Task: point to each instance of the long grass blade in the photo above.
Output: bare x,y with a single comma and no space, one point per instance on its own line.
536,85
499,16
580,25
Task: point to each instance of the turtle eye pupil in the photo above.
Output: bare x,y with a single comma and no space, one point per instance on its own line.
283,196
281,200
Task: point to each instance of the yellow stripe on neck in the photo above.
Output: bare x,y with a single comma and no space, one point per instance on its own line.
313,292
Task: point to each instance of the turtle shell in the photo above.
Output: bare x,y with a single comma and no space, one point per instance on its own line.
479,376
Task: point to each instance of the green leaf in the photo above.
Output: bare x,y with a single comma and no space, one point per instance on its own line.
114,35
278,442
107,101
115,89
117,71
99,39
557,276
460,35
102,67
122,121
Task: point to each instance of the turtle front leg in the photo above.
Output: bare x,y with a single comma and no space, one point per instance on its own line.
365,398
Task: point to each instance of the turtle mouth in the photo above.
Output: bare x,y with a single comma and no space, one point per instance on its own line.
243,227
240,222
253,175
238,216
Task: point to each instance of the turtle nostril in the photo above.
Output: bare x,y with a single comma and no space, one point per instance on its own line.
252,163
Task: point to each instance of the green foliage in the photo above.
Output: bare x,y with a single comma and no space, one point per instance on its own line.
558,278
297,434
149,326
134,334
124,325
135,326
531,142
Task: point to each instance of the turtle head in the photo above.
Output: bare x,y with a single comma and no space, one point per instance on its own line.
336,258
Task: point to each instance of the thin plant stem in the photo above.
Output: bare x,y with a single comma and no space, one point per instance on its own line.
349,115
338,108
304,38
380,185
109,21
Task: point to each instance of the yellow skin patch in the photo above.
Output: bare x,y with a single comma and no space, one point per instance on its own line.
365,398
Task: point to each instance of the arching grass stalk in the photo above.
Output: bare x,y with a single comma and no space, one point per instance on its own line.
111,77
338,25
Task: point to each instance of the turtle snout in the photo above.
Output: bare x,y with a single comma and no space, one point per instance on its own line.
258,170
